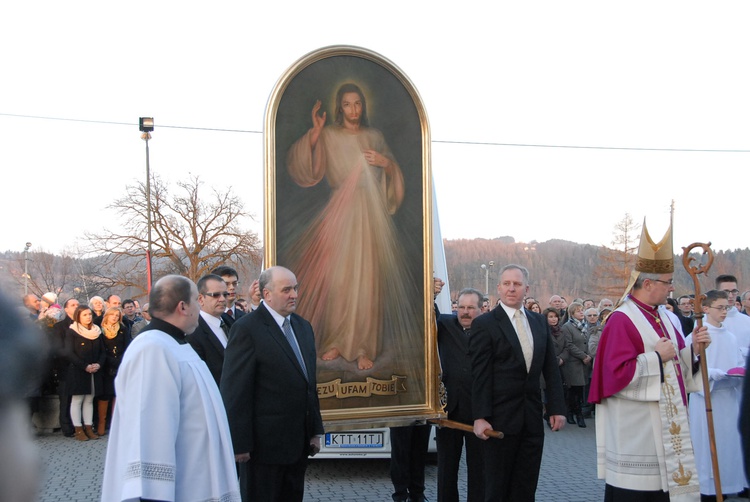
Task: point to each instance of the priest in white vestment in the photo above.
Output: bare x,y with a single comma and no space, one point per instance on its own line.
170,437
642,373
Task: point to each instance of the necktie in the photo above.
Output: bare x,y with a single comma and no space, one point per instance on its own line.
224,327
290,338
523,338
229,313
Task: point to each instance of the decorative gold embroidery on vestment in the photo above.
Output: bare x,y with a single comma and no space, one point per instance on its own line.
682,478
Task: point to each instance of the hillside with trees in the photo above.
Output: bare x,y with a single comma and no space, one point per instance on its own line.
570,269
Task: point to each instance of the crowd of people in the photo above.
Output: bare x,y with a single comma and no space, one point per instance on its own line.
502,367
86,345
625,363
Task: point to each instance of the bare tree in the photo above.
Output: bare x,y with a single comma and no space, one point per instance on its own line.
47,272
191,233
612,272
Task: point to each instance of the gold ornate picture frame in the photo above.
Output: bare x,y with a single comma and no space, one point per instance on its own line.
348,208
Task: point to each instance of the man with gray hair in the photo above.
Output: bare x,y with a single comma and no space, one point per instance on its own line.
268,383
453,336
642,373
746,303
511,348
210,337
170,438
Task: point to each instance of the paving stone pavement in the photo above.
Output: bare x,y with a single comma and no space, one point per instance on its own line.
73,471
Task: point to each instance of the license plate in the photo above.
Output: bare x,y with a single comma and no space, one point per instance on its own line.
354,440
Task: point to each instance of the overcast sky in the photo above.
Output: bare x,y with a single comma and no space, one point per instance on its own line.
548,119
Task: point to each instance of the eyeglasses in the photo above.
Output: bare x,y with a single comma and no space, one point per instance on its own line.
722,307
217,295
592,315
233,283
731,291
668,283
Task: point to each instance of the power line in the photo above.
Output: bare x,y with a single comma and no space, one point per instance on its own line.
446,142
580,147
132,124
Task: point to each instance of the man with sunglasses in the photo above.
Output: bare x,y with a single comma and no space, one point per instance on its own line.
735,323
210,337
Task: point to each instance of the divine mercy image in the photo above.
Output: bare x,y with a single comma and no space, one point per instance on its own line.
356,286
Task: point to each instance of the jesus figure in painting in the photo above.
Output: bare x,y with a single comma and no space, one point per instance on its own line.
348,260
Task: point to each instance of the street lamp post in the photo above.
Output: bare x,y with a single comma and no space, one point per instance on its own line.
146,125
26,269
486,269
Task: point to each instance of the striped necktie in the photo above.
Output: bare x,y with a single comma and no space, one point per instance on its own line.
287,328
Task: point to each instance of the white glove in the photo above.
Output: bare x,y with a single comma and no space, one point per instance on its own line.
716,374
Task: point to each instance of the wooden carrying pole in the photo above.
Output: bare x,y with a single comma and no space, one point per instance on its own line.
452,424
694,271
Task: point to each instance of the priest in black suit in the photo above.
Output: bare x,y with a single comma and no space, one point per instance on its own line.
269,390
455,361
210,337
511,348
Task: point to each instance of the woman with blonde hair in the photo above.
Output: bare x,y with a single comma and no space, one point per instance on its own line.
115,342
86,354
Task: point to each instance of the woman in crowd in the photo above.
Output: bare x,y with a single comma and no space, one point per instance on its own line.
577,362
85,351
672,306
533,306
115,342
596,333
553,321
97,307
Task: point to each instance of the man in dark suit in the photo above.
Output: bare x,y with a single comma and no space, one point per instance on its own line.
210,337
58,349
453,344
230,277
510,349
269,390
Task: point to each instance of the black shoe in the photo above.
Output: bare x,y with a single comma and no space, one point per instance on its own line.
69,434
571,420
581,422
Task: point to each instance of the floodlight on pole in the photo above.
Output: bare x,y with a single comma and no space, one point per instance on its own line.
486,269
146,125
26,269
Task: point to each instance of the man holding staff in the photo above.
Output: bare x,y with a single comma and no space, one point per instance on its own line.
641,377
